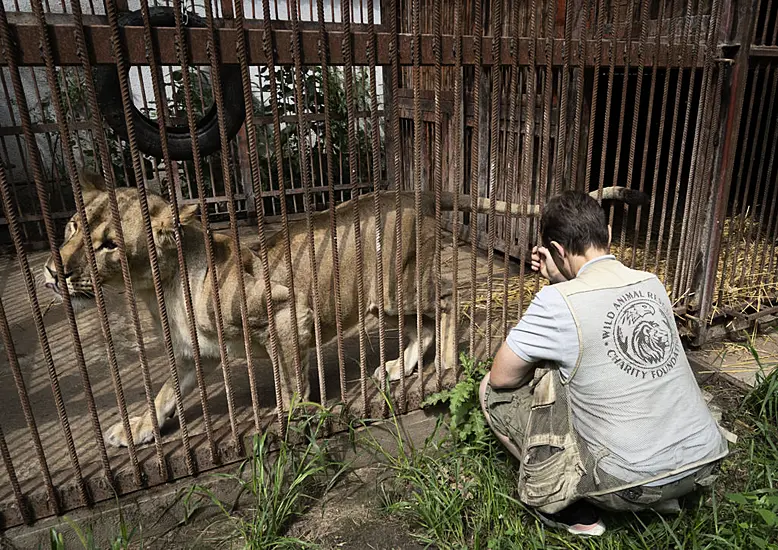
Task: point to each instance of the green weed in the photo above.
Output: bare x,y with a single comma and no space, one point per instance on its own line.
281,480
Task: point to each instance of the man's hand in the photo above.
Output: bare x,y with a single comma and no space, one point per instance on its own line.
543,262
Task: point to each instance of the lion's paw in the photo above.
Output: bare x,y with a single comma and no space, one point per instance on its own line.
142,432
393,371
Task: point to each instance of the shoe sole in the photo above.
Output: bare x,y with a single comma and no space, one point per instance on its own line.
595,531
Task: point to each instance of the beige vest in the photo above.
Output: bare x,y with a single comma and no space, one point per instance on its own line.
631,413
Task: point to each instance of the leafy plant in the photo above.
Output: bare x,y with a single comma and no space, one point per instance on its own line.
282,480
467,423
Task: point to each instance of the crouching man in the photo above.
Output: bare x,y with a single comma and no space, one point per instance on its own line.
592,391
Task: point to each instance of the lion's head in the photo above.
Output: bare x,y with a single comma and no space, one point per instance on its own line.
103,239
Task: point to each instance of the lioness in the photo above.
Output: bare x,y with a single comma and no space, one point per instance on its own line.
229,260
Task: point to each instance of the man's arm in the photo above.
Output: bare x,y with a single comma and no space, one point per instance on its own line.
509,370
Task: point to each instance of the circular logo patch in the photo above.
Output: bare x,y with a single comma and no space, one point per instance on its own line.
639,337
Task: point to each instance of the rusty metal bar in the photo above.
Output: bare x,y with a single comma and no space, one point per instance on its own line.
514,128
111,10
647,136
474,156
595,95
438,185
459,176
417,137
348,52
303,132
529,136
608,103
397,137
35,161
739,184
98,37
548,91
691,198
269,54
724,162
24,510
562,130
622,110
162,119
24,399
755,202
494,137
766,244
581,81
251,136
701,183
679,79
113,365
227,177
324,60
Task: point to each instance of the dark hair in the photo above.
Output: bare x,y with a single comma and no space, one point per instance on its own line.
576,221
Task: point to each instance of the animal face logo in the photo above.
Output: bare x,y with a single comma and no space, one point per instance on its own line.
639,336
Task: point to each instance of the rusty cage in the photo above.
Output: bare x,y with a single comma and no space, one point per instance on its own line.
505,100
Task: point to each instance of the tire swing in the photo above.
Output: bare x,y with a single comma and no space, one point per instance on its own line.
179,140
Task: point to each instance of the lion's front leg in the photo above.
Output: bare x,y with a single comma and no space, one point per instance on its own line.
165,405
290,383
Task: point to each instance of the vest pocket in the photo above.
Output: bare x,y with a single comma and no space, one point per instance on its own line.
550,472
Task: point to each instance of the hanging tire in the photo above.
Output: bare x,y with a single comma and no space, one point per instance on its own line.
179,139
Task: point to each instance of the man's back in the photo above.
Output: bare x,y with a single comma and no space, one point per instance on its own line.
633,397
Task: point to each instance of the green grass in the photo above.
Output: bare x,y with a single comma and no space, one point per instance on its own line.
280,481
458,491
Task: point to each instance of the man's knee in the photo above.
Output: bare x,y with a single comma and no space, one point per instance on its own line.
482,394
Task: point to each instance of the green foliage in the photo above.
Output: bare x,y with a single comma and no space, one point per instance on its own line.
123,540
467,423
281,481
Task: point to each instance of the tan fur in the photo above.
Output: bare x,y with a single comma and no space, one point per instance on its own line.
229,260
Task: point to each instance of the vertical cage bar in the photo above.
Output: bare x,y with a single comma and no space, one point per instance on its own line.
459,176
579,94
256,175
474,162
438,184
417,137
162,118
528,185
227,175
353,163
494,137
608,105
24,398
622,112
397,137
514,128
379,234
113,365
21,502
38,175
102,147
116,43
324,60
595,94
682,62
548,95
302,126
562,130
765,138
689,201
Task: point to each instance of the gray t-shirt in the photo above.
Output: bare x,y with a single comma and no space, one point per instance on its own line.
547,332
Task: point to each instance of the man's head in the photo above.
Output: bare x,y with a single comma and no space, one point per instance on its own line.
573,226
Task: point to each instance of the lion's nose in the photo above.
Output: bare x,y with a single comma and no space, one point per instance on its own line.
55,277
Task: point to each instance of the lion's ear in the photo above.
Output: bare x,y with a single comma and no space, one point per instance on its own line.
91,183
187,213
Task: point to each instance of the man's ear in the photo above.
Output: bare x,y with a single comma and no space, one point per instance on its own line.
559,248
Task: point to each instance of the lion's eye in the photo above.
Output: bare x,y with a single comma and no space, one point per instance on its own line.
108,245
